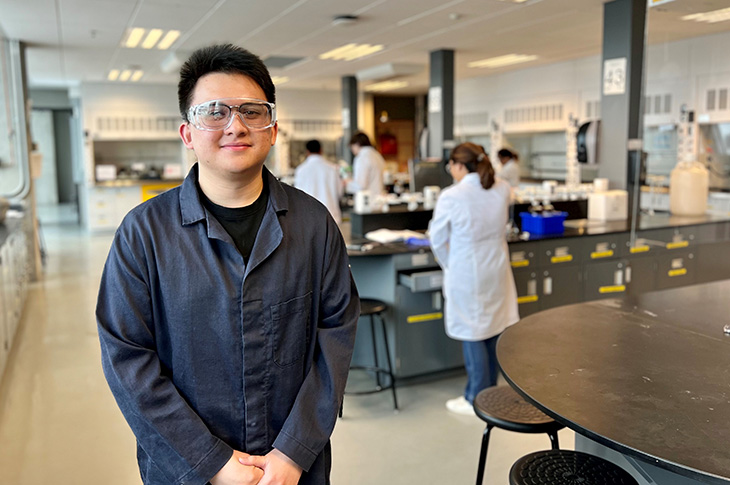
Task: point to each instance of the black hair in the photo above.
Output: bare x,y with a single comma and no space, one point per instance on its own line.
475,159
313,146
224,58
506,153
360,139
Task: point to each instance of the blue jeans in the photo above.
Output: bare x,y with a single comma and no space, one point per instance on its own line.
480,359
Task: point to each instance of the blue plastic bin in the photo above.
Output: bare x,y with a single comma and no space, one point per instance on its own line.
543,224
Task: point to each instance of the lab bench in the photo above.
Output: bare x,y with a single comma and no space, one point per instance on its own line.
589,261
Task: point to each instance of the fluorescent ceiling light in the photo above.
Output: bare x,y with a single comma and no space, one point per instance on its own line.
113,75
125,75
279,79
710,17
386,86
502,61
351,52
152,38
137,76
133,37
168,40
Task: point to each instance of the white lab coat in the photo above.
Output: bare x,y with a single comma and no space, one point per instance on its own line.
367,172
510,173
467,236
321,179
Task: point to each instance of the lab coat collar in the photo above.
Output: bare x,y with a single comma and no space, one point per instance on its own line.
471,178
191,207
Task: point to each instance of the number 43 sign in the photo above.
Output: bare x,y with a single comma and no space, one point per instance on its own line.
614,76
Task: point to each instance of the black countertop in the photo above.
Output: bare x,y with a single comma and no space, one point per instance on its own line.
648,376
574,228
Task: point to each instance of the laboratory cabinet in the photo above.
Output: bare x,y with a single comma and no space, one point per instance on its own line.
108,205
528,299
410,284
713,262
560,285
675,269
548,273
14,277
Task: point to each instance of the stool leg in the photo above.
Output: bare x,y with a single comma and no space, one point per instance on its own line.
376,362
387,359
483,454
554,439
342,403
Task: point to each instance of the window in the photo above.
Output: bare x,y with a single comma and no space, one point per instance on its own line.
14,168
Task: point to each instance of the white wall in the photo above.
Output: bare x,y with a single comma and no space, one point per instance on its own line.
684,68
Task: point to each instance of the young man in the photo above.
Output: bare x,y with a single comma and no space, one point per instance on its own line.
367,167
320,179
226,310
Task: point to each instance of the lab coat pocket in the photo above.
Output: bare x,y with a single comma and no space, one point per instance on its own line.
290,324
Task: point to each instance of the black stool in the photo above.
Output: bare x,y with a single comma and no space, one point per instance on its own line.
373,308
502,407
566,467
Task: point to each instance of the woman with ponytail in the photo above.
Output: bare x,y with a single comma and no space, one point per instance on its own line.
467,235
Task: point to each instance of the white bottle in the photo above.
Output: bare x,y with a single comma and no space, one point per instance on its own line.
688,189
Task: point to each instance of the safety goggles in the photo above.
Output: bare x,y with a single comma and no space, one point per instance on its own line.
218,114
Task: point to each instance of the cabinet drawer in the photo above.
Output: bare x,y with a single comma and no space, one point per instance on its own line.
419,281
560,252
523,255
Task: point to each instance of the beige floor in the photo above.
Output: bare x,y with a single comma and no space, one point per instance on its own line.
59,423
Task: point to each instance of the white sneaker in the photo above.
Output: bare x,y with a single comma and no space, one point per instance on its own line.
461,406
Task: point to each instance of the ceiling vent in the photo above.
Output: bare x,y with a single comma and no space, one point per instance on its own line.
388,71
280,62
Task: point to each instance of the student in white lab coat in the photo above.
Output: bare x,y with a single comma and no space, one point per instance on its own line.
467,236
367,167
320,179
510,172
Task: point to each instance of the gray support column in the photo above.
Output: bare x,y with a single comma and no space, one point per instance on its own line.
349,114
622,85
441,102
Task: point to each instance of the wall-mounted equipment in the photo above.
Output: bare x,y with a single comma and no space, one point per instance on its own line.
588,142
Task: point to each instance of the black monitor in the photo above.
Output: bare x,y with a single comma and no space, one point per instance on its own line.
429,171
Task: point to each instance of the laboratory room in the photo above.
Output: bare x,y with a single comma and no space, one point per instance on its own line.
408,242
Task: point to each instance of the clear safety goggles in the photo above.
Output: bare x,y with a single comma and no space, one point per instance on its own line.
218,114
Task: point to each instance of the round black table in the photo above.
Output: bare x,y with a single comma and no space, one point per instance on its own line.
647,376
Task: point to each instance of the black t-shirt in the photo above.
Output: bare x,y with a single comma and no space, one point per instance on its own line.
241,223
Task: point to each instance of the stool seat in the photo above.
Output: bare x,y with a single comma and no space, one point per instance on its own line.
502,407
369,306
564,467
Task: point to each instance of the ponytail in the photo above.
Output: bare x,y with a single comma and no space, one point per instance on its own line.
475,159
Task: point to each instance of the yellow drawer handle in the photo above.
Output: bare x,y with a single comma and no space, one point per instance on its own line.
639,249
612,289
520,264
424,317
562,259
678,272
527,299
677,245
602,254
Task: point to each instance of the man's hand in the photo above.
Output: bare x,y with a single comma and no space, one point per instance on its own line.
236,473
278,468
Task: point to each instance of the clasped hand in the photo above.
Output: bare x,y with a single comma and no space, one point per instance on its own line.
274,468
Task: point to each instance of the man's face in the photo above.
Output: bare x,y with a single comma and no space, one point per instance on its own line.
237,149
